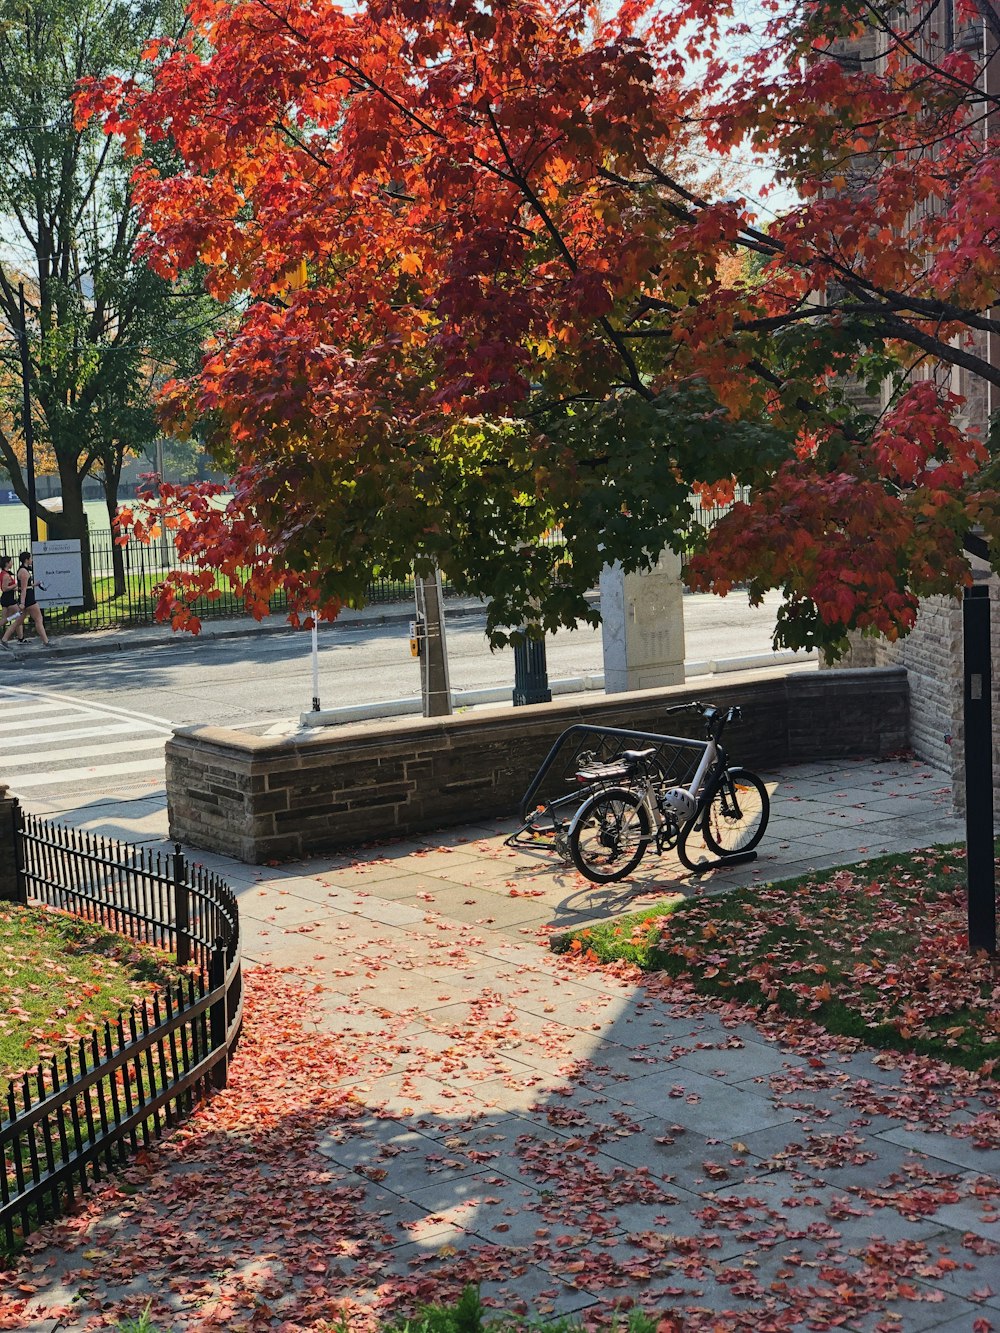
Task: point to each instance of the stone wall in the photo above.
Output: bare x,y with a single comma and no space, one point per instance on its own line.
259,798
933,657
10,891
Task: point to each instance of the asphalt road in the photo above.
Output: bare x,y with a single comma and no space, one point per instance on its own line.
266,678
97,721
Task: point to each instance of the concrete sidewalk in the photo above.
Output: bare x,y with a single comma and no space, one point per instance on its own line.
128,638
473,1108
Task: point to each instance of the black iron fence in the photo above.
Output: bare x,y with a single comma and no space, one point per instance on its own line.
131,598
82,1112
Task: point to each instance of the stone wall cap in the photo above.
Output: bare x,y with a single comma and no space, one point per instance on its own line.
229,739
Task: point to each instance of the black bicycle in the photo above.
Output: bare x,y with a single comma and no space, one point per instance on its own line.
635,806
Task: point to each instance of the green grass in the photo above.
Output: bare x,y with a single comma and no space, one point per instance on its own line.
60,977
466,1315
876,951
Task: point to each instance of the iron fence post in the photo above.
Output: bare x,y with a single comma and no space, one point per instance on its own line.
182,908
218,1027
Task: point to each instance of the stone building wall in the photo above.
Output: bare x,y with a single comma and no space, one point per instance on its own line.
934,660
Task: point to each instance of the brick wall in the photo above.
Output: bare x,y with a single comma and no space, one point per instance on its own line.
259,798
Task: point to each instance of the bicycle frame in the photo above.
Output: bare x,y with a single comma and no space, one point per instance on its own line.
709,775
547,807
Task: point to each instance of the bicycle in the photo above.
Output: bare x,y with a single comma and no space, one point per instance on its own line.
728,806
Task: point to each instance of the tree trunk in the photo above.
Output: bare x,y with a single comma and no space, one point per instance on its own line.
71,524
117,553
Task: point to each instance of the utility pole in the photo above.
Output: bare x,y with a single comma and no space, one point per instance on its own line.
435,685
29,438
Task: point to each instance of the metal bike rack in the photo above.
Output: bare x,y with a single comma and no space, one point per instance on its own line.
554,795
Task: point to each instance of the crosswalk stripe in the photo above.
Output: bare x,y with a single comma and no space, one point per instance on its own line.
9,743
96,752
35,696
36,705
50,741
25,723
17,781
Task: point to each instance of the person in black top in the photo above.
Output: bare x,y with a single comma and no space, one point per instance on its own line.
9,605
28,606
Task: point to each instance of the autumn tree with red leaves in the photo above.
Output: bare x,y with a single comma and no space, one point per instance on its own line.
483,298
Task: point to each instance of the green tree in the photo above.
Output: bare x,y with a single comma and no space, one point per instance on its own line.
102,329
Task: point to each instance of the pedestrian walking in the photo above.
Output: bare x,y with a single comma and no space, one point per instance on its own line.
9,594
27,604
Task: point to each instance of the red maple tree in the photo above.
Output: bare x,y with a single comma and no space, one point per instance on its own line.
483,298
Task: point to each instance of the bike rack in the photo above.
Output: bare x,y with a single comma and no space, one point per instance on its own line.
547,808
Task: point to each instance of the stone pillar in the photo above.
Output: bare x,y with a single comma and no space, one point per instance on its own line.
10,888
642,618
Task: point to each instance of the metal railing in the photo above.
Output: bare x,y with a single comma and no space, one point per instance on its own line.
82,1112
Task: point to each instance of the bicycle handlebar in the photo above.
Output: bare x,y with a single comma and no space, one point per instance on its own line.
710,713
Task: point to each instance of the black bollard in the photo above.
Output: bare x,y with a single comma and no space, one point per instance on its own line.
531,675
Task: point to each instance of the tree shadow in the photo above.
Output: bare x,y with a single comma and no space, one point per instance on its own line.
572,1142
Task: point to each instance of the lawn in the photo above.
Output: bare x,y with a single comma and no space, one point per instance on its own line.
60,977
875,951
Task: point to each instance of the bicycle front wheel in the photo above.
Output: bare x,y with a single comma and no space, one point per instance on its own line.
609,834
737,814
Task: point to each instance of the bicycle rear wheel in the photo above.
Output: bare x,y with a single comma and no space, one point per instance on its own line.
737,814
609,835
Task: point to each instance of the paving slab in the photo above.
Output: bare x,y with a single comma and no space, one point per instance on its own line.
568,1139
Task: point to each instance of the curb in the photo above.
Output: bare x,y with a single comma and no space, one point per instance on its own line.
693,671
126,640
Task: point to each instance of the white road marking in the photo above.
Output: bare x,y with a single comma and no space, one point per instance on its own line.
71,733
96,752
53,740
57,777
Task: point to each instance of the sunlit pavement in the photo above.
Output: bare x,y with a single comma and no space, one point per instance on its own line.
425,1096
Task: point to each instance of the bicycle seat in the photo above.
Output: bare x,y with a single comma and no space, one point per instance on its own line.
638,756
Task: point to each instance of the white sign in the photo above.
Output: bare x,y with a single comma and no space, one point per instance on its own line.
58,573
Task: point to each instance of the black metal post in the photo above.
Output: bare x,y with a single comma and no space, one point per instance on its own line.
217,1015
531,675
979,769
29,437
182,908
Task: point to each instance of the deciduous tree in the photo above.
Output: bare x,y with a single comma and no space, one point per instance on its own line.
102,328
520,314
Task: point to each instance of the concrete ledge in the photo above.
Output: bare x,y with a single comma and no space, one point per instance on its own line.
260,798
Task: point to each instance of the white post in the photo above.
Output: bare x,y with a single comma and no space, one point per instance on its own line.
315,665
164,547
